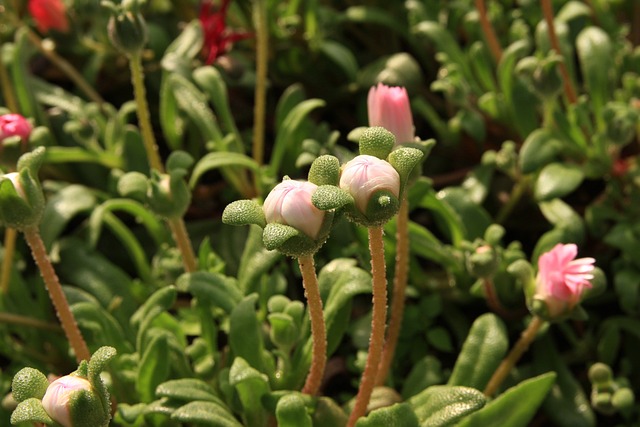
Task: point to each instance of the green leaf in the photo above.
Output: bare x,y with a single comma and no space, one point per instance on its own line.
515,407
28,383
328,197
109,330
342,57
179,54
426,373
206,414
245,333
154,367
219,160
30,410
595,53
539,149
440,406
244,212
62,207
557,180
251,386
255,261
397,415
275,235
292,412
483,350
187,390
158,302
213,288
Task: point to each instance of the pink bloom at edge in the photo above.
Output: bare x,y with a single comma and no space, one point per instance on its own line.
365,175
217,37
289,203
57,399
14,125
49,15
389,108
562,278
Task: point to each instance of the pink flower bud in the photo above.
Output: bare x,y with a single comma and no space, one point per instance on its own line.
365,175
49,14
389,108
57,399
289,203
14,125
562,279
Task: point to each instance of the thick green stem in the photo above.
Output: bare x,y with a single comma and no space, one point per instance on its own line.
144,119
183,242
262,61
318,330
59,300
10,235
520,347
378,320
399,290
66,67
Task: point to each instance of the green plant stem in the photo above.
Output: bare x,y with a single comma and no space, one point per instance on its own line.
547,11
489,33
399,289
10,235
262,56
378,320
519,189
65,66
520,347
144,119
7,89
60,303
16,319
179,231
318,330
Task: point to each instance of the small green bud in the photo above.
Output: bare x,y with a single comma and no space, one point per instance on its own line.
127,29
325,170
168,194
623,398
483,261
600,375
284,331
277,303
542,76
21,198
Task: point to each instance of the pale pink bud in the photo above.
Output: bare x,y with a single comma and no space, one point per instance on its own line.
14,125
365,175
562,279
389,108
289,203
56,400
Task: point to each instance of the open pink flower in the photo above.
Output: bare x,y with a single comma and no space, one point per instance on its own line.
389,108
49,15
562,279
289,203
58,398
14,125
365,175
217,37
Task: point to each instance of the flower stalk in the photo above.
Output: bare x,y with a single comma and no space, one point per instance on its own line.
10,235
378,320
489,33
547,11
318,329
60,303
262,61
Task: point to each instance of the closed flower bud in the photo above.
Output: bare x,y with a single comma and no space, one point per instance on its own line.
21,200
561,280
289,203
49,15
169,195
14,125
364,176
128,31
389,108
72,402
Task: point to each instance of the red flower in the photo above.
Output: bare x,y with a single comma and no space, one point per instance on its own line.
49,14
14,125
217,37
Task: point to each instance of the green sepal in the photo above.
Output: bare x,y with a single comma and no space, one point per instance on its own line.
275,235
244,212
291,411
127,28
523,271
404,160
329,197
134,185
17,211
382,206
377,141
29,383
171,202
325,170
179,160
32,161
87,408
31,410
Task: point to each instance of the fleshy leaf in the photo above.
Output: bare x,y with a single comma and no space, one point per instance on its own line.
28,383
244,212
397,415
377,141
445,405
325,170
329,197
30,410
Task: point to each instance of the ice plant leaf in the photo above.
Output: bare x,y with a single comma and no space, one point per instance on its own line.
244,212
292,412
443,405
404,160
376,141
325,170
30,410
399,414
28,383
275,235
329,197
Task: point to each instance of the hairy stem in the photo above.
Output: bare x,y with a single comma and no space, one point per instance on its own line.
179,230
399,290
59,300
547,11
520,347
318,331
262,56
10,235
489,33
378,319
144,118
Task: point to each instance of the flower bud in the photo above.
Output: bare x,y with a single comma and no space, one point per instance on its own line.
389,108
21,200
127,29
168,195
49,15
14,125
289,203
72,402
373,183
561,280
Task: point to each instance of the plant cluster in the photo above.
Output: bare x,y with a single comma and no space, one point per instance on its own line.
252,213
